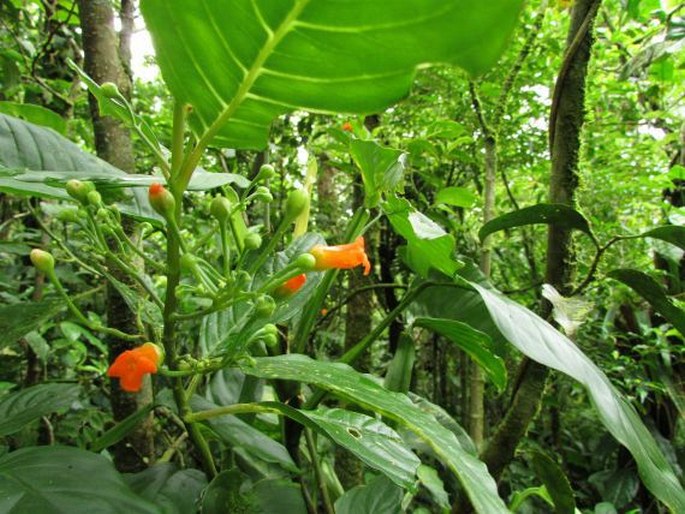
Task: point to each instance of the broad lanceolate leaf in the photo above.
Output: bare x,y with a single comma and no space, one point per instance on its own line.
476,344
456,196
650,290
23,407
19,319
241,63
382,169
174,491
57,479
555,481
350,385
379,496
35,114
543,213
428,245
121,429
673,234
543,343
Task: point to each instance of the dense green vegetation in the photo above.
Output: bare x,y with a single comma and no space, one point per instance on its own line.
342,256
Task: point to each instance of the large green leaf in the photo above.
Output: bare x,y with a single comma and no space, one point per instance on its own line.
556,483
543,213
60,480
428,245
19,319
673,234
650,290
241,63
23,407
35,114
174,491
382,169
541,342
475,343
350,385
379,496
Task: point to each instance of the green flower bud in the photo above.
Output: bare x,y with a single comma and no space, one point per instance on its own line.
43,261
264,306
102,215
94,199
305,261
188,263
145,227
266,172
297,202
79,190
263,194
68,215
220,208
270,340
270,328
253,241
110,90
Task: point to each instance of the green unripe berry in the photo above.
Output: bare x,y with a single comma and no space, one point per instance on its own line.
296,204
43,261
264,306
68,215
220,208
263,194
270,340
188,263
94,198
270,328
110,90
79,190
253,241
266,172
305,261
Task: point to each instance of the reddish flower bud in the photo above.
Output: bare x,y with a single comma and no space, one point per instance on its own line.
290,287
132,365
161,200
347,126
341,256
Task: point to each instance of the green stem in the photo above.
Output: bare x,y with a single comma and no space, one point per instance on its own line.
268,250
318,474
225,248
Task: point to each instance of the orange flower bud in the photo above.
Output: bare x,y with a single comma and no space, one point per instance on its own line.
342,256
130,366
347,126
161,200
290,287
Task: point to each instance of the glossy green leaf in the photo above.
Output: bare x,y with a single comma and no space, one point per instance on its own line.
456,196
233,491
237,433
476,344
350,385
58,479
650,290
556,483
35,114
379,496
22,407
543,213
398,376
371,440
382,169
267,58
174,491
121,429
428,245
19,319
671,234
541,342
431,480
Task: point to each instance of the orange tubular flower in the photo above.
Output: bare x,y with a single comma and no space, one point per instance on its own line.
130,366
341,256
290,287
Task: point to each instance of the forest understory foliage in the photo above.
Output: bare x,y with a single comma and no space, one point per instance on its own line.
360,256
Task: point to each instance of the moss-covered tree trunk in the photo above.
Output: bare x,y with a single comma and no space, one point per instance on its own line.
566,121
113,143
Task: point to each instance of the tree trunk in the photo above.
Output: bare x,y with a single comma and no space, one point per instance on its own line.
113,143
566,120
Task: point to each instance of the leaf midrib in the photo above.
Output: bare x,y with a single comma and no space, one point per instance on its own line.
273,39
